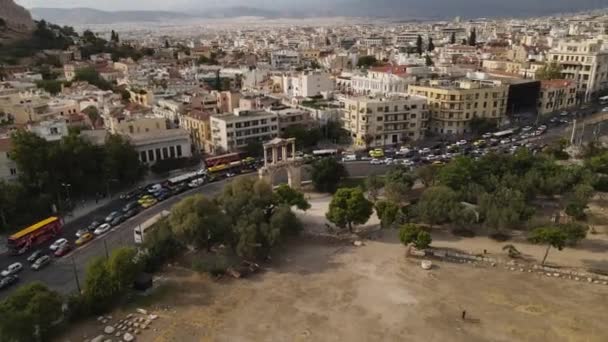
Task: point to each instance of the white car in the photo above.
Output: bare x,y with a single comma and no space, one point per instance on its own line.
12,269
349,157
487,135
104,228
376,161
58,244
408,162
196,182
403,151
564,114
461,142
389,161
505,141
425,150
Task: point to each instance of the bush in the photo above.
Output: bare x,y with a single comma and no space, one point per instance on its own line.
213,264
601,184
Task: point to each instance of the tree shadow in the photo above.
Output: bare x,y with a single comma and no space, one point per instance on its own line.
596,266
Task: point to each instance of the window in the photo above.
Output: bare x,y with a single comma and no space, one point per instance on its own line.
229,125
485,104
237,125
150,155
165,153
179,150
412,116
131,129
414,106
273,119
379,118
172,151
54,130
13,171
158,154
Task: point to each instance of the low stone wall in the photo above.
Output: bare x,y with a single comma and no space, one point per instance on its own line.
511,265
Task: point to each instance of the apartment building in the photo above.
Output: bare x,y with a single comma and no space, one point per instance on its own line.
8,168
454,103
382,80
289,116
285,59
227,101
307,84
198,124
584,62
556,95
380,121
229,131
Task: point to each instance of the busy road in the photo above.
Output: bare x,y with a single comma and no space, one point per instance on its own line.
66,272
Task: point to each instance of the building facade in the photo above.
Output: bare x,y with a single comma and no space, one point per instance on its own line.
454,104
382,121
285,59
230,132
198,124
556,95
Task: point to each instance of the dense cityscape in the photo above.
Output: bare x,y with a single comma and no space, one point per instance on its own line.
337,167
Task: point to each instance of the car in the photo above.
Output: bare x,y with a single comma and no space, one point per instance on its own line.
564,121
84,239
63,250
563,114
539,132
117,220
377,161
349,157
41,262
389,161
180,189
129,206
93,225
104,228
111,217
526,129
144,198
431,157
34,256
505,141
438,162
12,269
542,127
461,142
8,281
163,196
148,203
154,188
487,135
408,162
131,213
195,183
553,120
58,244
130,195
605,109
425,150
480,143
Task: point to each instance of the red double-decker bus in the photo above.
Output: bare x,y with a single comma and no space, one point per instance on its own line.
222,159
35,234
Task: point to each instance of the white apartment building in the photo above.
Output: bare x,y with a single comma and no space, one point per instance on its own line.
383,80
381,121
230,132
285,59
311,83
584,62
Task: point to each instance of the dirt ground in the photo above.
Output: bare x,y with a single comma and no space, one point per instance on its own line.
327,291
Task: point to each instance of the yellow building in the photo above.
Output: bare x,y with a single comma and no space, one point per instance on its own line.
454,104
143,97
556,95
197,124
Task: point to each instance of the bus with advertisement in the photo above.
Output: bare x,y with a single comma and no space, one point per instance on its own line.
140,231
222,159
34,235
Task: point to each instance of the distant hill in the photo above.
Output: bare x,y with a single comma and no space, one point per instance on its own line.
83,16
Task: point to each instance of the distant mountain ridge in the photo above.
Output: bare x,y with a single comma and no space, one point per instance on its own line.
83,16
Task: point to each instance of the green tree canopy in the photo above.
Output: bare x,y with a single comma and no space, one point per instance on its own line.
411,233
99,291
419,45
198,221
398,183
367,61
349,207
438,205
558,236
326,174
373,184
388,212
284,194
504,209
123,269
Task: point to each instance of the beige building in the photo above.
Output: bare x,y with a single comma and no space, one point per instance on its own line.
584,62
289,116
143,97
230,132
556,95
380,121
227,101
198,124
454,104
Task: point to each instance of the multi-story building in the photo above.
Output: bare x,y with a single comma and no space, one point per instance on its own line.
167,144
229,132
306,84
198,124
556,95
285,59
584,62
8,168
380,121
382,80
289,116
50,130
454,104
227,101
144,97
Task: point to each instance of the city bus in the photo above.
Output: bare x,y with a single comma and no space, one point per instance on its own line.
325,153
503,134
34,235
235,166
184,178
140,231
222,159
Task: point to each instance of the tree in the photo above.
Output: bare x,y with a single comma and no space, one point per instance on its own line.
576,201
427,174
549,71
123,269
197,221
92,113
373,184
91,76
29,313
504,208
349,207
411,233
398,183
284,194
453,38
99,290
53,87
557,237
306,138
419,45
598,163
479,126
326,174
254,149
285,222
367,61
472,38
114,37
388,213
121,162
457,174
437,205
428,61
431,45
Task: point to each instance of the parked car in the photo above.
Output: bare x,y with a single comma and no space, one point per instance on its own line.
180,189
163,195
461,142
81,232
111,217
408,162
84,239
63,250
147,203
563,114
117,220
8,281
104,228
34,256
93,225
487,135
12,269
130,195
425,150
526,129
41,262
58,244
350,157
195,183
154,188
131,213
505,141
144,199
376,161
129,206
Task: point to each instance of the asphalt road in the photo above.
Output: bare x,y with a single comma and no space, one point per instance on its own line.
63,273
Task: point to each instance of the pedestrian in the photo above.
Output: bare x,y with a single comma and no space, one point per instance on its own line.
464,314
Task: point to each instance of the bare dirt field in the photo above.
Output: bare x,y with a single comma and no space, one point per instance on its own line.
317,290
